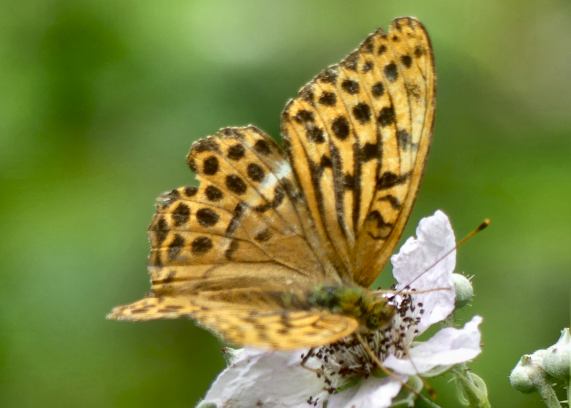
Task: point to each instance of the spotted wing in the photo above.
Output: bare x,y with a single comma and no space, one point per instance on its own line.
357,136
278,329
243,233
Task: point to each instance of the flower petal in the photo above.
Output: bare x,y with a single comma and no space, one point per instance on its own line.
435,238
371,393
259,377
447,347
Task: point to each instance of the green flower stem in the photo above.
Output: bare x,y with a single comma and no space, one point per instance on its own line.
429,402
545,391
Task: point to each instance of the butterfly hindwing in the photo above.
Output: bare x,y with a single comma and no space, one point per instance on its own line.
280,330
240,325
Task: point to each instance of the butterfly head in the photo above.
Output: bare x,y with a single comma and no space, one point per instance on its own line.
378,314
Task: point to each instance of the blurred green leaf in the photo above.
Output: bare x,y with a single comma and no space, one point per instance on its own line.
101,100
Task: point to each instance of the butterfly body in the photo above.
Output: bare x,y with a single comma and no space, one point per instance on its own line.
276,247
371,310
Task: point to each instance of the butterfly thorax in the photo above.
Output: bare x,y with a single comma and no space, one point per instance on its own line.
372,311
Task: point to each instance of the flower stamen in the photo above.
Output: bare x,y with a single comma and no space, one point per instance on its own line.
361,355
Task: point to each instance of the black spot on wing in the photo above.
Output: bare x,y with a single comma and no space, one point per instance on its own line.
262,147
419,51
175,247
213,193
263,235
206,145
362,112
386,116
279,195
367,46
201,245
391,71
388,180
307,95
367,66
190,191
328,98
304,115
255,172
210,165
314,133
161,230
378,89
181,214
370,151
350,62
236,152
340,127
325,162
406,60
350,86
328,76
235,184
207,217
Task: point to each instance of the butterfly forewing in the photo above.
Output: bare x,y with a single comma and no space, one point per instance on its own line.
413,57
229,249
243,212
242,252
357,137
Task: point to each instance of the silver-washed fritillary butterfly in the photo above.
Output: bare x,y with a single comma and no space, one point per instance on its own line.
277,249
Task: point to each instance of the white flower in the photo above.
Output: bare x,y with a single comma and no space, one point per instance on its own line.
536,371
423,269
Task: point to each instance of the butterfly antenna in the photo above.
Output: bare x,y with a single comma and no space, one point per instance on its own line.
483,225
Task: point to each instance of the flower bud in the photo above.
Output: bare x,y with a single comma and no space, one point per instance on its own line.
557,359
463,288
472,389
526,372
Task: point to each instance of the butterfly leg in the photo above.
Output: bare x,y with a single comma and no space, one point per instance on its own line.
305,357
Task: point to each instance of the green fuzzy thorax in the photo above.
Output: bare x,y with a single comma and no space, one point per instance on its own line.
372,311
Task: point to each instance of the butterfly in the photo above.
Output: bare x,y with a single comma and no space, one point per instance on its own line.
277,247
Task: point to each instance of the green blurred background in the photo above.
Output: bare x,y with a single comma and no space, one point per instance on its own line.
100,101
